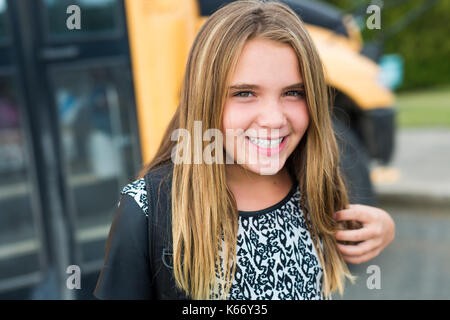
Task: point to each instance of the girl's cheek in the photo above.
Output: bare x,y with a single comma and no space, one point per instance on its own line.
235,117
299,117
229,125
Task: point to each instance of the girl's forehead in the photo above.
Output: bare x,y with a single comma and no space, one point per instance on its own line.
267,61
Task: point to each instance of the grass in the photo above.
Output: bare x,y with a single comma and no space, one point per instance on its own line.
427,108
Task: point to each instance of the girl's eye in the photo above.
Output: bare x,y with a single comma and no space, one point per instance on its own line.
295,93
292,93
243,94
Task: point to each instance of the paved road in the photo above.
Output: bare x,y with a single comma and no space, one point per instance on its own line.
422,159
416,265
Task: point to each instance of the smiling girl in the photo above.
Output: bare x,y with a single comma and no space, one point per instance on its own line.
262,229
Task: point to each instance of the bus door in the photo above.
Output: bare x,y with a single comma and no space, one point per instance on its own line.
68,125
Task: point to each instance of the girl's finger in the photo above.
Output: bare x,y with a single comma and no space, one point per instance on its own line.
357,250
361,259
355,235
356,212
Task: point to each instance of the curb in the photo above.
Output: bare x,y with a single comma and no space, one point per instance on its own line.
414,199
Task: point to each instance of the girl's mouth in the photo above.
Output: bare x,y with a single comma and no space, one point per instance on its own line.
268,146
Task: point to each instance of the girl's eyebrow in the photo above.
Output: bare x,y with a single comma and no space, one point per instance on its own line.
246,86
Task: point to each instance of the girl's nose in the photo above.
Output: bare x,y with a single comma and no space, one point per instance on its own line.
272,115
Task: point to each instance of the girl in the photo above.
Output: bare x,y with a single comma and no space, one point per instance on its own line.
263,225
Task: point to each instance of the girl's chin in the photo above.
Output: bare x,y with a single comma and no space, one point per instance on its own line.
269,168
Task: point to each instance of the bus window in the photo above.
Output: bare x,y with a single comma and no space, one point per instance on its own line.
19,242
96,16
95,110
3,20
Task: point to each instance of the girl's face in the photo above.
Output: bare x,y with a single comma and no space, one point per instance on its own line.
265,112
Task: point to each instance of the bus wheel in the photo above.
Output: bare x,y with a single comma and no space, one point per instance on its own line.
354,165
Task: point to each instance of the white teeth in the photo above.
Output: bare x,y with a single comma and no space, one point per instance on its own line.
264,143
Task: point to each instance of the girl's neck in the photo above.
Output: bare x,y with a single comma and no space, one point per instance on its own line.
255,192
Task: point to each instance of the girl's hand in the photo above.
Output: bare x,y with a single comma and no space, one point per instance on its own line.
378,230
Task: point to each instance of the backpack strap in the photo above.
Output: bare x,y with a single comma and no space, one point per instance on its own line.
158,183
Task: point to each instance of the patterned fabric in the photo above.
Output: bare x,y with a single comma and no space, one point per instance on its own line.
276,258
137,190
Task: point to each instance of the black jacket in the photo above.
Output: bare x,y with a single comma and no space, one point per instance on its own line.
138,257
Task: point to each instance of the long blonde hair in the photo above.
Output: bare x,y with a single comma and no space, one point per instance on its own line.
204,211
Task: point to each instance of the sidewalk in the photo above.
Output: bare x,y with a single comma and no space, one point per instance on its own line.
419,173
416,265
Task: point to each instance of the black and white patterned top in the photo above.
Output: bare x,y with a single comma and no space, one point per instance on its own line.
276,258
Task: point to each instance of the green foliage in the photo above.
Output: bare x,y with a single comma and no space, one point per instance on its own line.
424,44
